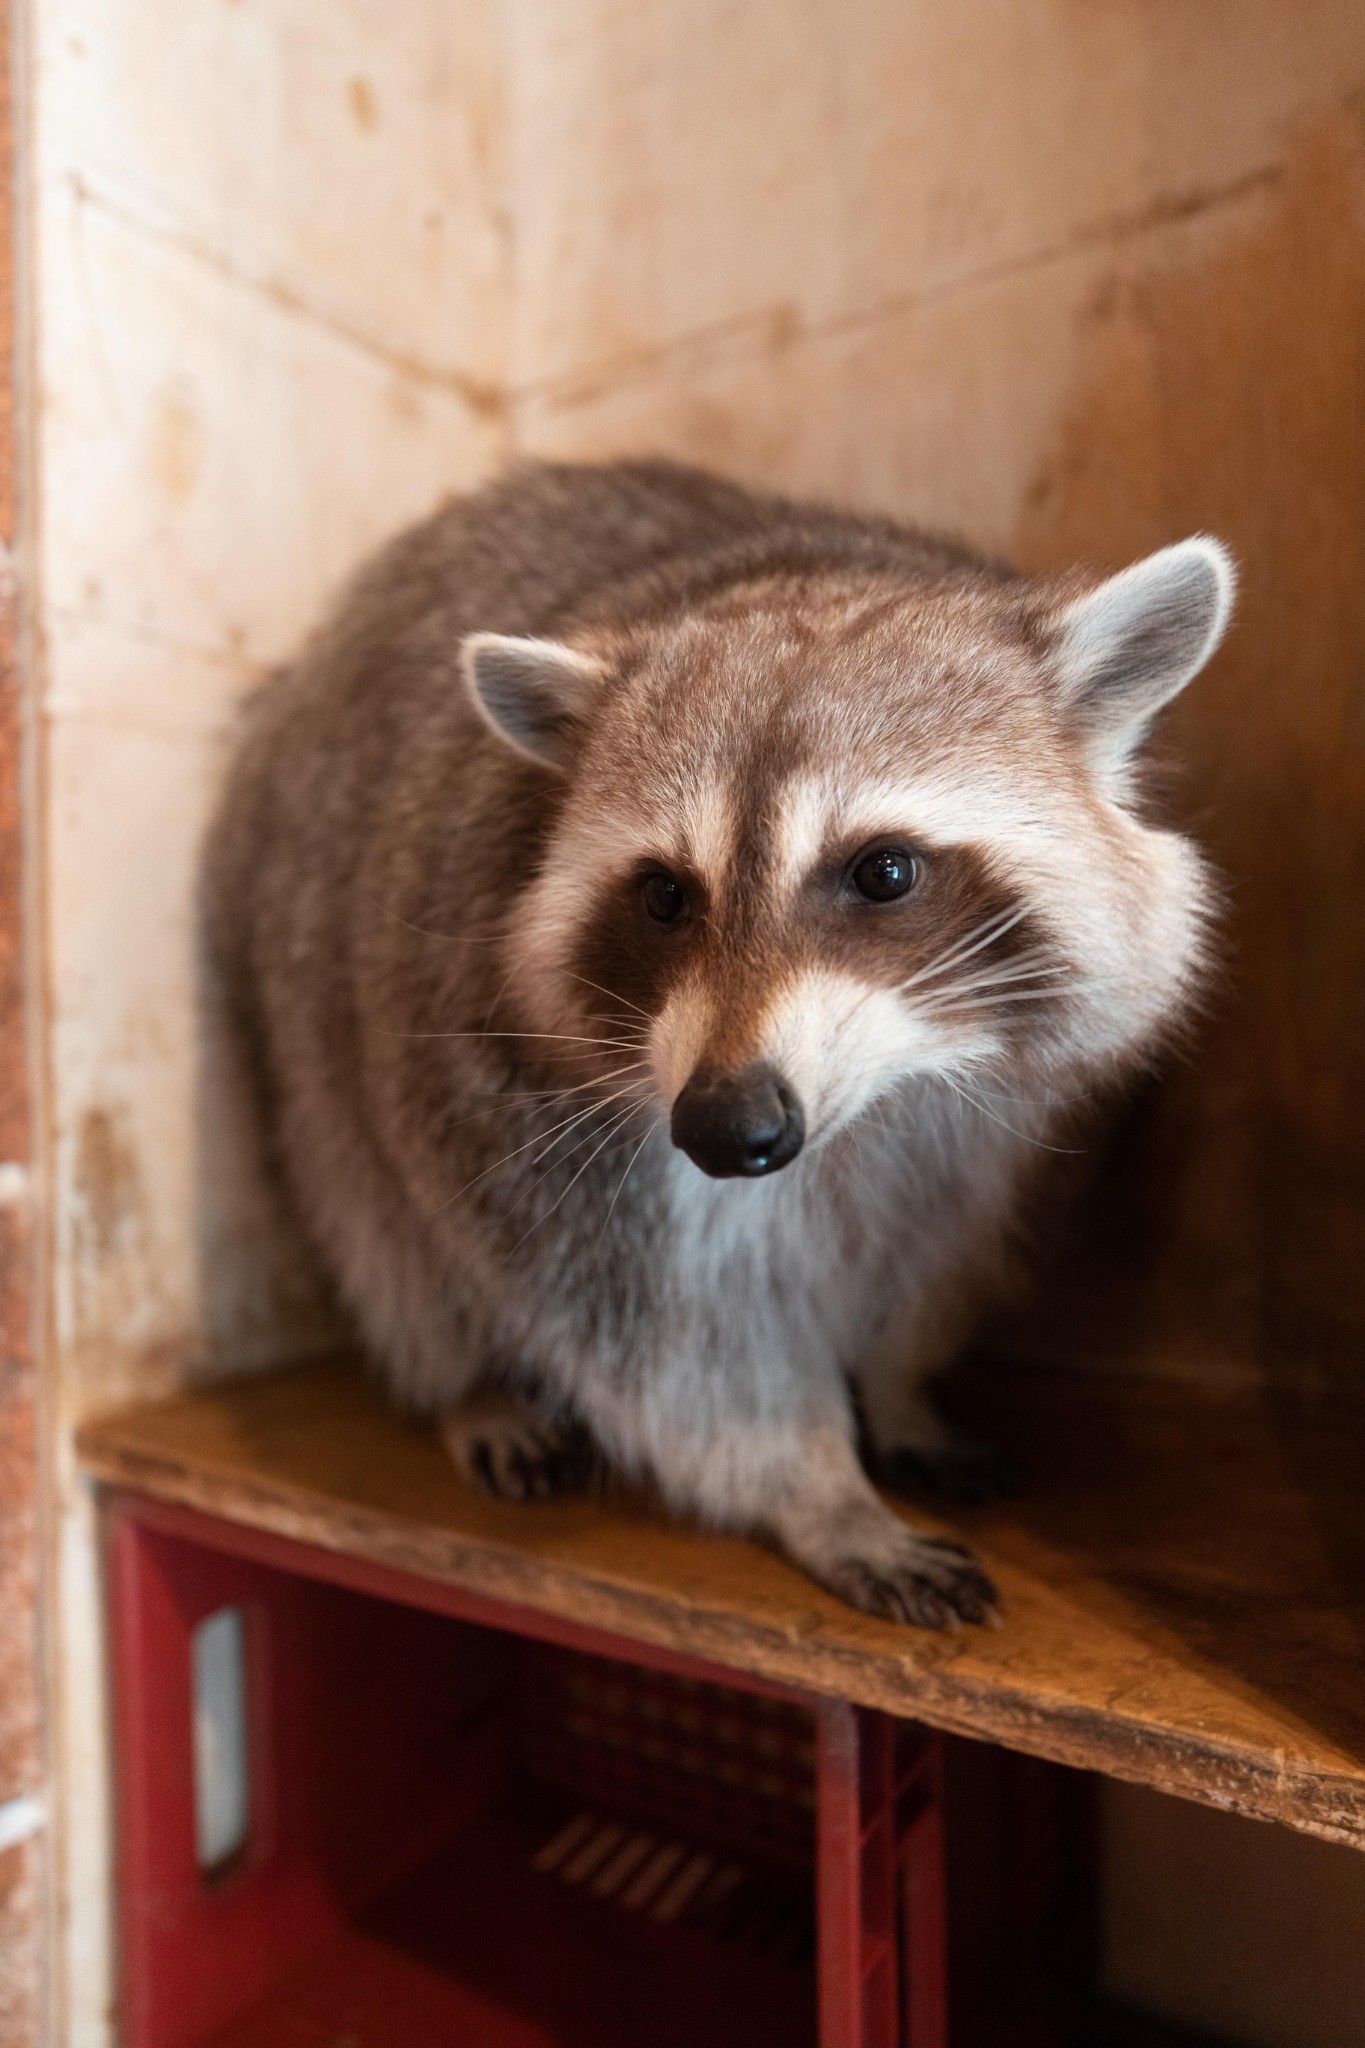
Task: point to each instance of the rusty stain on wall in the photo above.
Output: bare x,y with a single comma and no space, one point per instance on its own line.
175,444
107,1183
131,1336
364,107
1225,389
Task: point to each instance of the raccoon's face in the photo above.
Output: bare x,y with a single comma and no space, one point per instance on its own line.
813,845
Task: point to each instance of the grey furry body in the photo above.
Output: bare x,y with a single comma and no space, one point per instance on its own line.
498,1204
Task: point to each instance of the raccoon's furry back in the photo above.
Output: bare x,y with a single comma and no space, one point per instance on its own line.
367,798
665,922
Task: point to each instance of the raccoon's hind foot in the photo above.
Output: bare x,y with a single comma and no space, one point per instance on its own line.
957,1468
503,1445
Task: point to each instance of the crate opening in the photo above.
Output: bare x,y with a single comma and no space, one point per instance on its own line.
402,1830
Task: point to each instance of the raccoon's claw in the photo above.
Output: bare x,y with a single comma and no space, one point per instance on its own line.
924,1580
881,1565
514,1454
963,1471
909,1600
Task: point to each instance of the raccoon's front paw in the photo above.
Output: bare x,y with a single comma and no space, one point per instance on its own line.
932,1583
504,1447
900,1574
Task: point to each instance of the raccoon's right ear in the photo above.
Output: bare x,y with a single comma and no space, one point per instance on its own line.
534,693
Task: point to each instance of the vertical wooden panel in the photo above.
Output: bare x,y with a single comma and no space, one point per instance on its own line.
20,1690
1222,385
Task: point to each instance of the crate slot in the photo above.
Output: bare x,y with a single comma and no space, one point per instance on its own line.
222,1799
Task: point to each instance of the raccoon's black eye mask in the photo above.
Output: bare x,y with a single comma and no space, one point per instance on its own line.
883,874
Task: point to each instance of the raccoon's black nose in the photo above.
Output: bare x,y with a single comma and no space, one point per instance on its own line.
746,1123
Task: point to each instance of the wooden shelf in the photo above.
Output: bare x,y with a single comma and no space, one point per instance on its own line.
1183,1578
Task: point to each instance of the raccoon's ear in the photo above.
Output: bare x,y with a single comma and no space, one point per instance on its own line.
1127,648
534,693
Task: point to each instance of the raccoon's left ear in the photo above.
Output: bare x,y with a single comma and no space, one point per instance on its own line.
534,693
1126,649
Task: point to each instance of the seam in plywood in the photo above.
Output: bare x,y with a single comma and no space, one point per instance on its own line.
775,326
491,400
485,398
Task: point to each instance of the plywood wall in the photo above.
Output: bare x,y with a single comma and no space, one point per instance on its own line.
1071,280
271,310
268,321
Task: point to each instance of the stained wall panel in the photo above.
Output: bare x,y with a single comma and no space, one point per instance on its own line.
344,158
684,169
269,305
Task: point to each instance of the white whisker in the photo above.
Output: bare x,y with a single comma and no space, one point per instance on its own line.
557,1136
626,1175
627,1112
1023,995
1025,969
424,932
612,996
1071,1151
519,1097
516,1152
1030,1101
984,935
549,1037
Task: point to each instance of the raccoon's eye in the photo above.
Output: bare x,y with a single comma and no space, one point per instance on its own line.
665,898
886,874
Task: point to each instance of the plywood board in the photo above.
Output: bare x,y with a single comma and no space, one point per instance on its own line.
1182,1604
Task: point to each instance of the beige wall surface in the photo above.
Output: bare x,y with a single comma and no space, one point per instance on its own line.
269,306
1070,279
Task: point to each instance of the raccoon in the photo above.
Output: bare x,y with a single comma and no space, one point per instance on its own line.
667,922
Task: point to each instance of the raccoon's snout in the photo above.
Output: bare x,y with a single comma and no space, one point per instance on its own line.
731,1124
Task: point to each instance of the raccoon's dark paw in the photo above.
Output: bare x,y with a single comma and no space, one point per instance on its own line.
963,1471
513,1453
871,1559
932,1584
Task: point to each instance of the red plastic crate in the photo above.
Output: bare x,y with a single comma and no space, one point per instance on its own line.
470,1823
